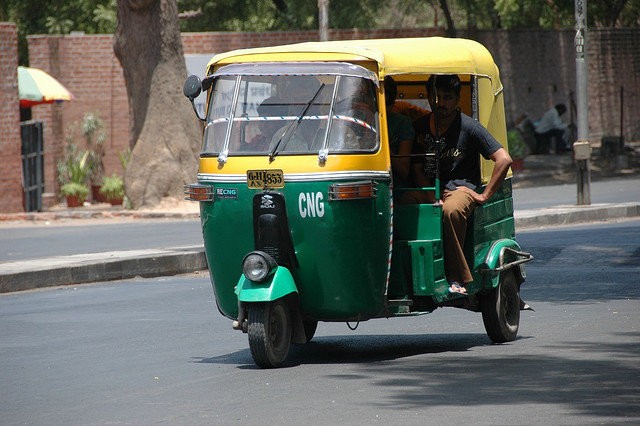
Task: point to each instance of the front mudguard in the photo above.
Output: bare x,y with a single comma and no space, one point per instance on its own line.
278,285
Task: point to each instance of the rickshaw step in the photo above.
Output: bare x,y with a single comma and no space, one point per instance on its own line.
400,302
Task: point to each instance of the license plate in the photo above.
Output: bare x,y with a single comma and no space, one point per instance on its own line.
261,179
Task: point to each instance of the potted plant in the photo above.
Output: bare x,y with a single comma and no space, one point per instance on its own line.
112,189
75,193
517,149
73,171
92,128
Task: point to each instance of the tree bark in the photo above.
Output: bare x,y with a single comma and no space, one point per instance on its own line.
164,132
451,27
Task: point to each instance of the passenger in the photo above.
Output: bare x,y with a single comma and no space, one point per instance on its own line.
304,136
414,112
401,135
459,140
551,128
269,109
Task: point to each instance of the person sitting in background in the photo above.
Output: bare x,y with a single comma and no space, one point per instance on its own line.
550,127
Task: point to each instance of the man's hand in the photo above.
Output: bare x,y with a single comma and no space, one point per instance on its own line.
478,198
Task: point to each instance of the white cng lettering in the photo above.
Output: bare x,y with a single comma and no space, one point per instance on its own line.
310,204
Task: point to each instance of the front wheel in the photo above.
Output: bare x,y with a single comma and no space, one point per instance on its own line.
309,329
501,310
269,330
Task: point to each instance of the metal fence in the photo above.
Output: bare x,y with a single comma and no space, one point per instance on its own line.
32,165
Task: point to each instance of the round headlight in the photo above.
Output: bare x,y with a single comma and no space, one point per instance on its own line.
257,266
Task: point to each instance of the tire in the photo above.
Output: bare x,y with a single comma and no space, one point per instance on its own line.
309,329
501,310
269,330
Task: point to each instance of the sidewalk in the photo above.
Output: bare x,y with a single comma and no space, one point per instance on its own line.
560,209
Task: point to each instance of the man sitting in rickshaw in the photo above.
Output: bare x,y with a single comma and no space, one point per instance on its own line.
457,140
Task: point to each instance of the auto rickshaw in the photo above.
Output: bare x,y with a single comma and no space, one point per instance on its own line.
296,191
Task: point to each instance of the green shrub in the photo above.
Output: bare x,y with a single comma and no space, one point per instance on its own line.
112,187
74,166
517,147
80,190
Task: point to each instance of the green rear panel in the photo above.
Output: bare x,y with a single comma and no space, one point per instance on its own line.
491,222
342,248
418,264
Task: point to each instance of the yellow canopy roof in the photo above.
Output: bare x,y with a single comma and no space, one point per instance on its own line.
427,55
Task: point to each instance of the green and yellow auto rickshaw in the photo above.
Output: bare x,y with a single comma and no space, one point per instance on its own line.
297,199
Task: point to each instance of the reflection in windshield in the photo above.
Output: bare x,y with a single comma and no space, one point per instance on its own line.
292,114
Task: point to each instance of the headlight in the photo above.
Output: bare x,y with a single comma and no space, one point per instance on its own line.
258,266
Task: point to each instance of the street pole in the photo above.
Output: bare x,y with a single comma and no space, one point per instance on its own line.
323,19
582,147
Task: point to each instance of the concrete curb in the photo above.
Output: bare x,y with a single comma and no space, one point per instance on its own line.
567,215
94,214
116,265
106,266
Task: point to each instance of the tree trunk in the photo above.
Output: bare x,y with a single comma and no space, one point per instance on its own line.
164,132
451,28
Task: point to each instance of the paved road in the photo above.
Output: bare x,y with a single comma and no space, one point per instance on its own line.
604,191
32,240
156,350
37,240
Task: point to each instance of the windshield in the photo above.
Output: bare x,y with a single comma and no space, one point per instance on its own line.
291,115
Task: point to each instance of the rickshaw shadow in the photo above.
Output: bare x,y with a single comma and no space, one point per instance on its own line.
363,349
381,347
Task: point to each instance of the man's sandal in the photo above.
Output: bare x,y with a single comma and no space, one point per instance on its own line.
457,288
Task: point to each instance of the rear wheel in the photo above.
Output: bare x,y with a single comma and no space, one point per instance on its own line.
501,310
269,330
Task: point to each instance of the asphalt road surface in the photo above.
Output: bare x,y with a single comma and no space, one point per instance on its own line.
157,351
37,240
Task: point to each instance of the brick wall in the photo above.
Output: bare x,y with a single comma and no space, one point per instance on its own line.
537,68
87,66
10,143
217,42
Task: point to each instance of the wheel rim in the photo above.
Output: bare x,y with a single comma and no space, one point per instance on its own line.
278,329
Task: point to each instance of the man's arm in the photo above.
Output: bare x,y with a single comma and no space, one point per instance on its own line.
502,161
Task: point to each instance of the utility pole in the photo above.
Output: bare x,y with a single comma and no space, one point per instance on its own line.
582,147
323,19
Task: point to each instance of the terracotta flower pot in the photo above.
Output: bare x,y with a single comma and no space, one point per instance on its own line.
74,201
517,165
115,201
96,196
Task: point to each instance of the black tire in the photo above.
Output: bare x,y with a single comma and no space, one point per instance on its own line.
269,330
501,310
310,328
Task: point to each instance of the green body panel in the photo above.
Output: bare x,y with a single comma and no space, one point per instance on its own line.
417,267
417,222
278,285
418,264
342,248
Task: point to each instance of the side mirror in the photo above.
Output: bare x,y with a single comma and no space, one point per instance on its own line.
191,89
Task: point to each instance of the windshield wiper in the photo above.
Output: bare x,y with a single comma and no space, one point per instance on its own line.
294,125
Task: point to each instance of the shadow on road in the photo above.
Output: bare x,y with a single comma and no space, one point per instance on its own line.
603,387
